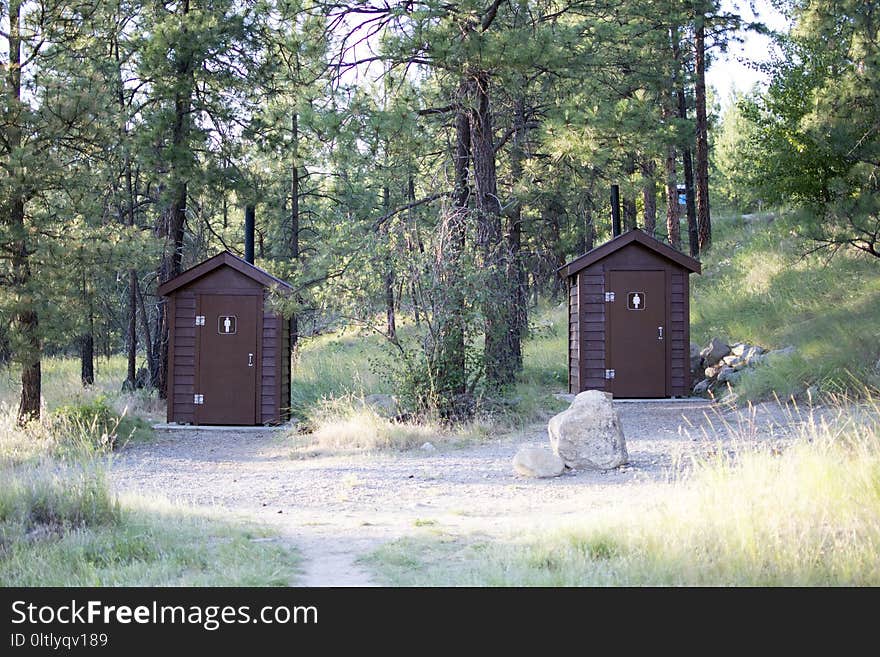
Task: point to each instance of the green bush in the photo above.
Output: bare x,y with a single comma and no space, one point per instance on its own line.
94,423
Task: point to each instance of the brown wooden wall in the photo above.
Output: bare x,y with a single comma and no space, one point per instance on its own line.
268,387
587,352
182,357
284,355
573,336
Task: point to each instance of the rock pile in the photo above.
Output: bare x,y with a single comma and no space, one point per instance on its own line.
719,363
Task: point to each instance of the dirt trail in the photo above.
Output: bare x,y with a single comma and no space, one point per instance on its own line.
337,509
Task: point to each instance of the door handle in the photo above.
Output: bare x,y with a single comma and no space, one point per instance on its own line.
250,360
659,332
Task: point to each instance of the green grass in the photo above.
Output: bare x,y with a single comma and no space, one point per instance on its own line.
806,516
147,544
757,288
61,526
336,365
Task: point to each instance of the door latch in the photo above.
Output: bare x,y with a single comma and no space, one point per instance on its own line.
659,332
250,360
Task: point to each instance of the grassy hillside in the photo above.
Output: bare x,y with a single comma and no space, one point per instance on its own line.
758,287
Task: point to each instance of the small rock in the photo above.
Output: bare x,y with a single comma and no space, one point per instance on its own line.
428,447
701,387
537,462
711,372
736,362
714,352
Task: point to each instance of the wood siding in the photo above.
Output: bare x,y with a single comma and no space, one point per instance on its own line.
183,365
573,336
678,333
268,385
284,355
592,328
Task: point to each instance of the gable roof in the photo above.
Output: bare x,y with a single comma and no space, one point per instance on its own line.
634,235
227,259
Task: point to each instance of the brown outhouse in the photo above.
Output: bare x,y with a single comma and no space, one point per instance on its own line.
629,318
228,352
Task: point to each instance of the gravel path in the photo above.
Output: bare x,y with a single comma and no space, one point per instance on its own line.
338,508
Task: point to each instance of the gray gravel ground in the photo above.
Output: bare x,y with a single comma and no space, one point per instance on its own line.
337,508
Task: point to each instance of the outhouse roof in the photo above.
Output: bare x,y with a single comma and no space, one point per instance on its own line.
224,259
619,242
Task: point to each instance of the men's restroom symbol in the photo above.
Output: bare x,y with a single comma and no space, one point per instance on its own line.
226,325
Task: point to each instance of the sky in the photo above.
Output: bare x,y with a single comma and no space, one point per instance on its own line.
729,71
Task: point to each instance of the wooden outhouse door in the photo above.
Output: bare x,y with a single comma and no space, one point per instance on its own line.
227,358
636,333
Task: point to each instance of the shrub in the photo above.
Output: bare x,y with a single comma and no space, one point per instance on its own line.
95,424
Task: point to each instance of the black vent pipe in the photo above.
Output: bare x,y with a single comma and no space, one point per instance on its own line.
249,233
615,210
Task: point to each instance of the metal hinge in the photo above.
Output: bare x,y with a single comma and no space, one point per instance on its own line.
198,400
200,320
609,374
609,296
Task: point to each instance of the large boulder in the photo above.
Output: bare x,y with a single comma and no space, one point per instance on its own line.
538,462
714,352
588,434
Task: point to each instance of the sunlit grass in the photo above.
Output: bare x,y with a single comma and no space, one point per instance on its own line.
60,525
62,385
802,516
757,287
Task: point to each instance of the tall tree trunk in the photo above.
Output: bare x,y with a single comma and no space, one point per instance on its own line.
151,345
649,195
498,354
87,358
704,222
87,341
449,360
131,333
680,77
414,247
550,217
129,220
175,221
388,268
26,321
294,217
586,234
673,228
628,202
515,271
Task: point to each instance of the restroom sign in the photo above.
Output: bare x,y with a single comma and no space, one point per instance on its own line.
226,325
635,301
